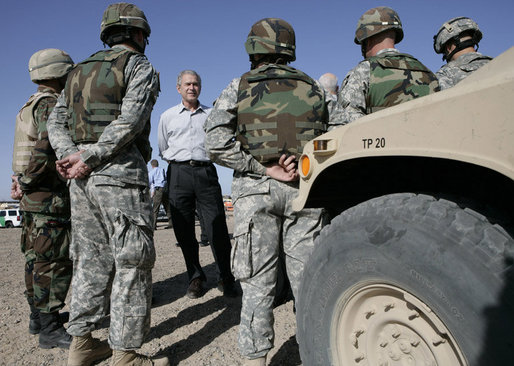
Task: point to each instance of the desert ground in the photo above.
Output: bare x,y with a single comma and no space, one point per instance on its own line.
190,332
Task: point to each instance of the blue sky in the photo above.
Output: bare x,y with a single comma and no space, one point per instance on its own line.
208,36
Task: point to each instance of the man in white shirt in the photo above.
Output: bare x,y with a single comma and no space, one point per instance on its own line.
193,181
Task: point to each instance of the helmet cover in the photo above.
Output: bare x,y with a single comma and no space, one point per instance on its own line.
124,15
271,36
378,20
49,63
453,29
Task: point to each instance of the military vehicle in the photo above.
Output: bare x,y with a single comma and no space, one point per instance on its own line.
416,265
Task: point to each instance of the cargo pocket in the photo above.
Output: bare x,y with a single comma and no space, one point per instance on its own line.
132,289
133,241
241,254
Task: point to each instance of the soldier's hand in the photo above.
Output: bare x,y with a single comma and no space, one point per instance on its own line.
288,163
285,170
72,167
16,192
79,170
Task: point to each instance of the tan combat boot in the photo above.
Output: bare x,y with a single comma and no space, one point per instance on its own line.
85,350
131,358
261,361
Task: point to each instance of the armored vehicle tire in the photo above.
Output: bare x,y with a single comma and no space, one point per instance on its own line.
408,279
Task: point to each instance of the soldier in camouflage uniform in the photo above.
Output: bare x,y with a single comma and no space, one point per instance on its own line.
385,77
456,41
99,128
258,127
44,201
329,82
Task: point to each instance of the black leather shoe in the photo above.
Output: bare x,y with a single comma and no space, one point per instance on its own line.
195,289
228,288
203,243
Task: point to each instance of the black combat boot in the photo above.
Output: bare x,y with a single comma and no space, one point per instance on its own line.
52,332
34,319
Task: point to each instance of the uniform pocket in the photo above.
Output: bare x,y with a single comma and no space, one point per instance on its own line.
241,253
133,241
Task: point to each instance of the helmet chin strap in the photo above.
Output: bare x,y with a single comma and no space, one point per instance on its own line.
126,36
137,46
459,46
363,48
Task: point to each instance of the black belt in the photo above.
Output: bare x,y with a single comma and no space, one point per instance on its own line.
191,162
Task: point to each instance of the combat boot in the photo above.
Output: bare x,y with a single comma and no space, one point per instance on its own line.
131,358
85,350
34,318
52,333
261,361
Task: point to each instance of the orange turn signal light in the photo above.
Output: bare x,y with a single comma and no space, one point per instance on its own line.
305,164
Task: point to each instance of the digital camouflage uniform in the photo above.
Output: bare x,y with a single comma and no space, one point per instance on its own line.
265,224
370,86
459,35
112,245
331,100
46,219
459,69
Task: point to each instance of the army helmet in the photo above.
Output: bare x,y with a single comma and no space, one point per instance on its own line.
271,36
377,20
49,63
124,15
452,29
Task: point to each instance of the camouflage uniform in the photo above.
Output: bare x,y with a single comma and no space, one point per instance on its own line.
267,112
112,244
356,94
386,79
331,100
459,35
459,69
265,224
46,214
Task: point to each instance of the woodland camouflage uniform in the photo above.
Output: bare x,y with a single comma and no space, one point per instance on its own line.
44,202
271,110
386,79
46,214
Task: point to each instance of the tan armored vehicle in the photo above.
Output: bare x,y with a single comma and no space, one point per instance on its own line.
416,266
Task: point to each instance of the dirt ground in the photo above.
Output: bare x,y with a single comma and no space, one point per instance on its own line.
190,332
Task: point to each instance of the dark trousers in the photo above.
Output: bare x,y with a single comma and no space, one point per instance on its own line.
160,196
190,186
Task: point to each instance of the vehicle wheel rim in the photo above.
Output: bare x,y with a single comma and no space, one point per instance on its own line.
388,326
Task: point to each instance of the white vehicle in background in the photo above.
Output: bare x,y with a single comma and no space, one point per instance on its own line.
10,217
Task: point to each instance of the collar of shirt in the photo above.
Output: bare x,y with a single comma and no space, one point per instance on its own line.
199,109
387,50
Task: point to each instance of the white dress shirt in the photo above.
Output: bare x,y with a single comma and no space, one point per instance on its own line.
181,135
